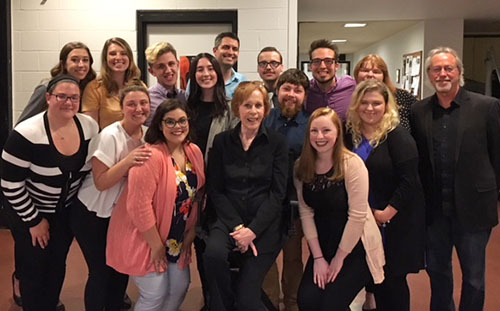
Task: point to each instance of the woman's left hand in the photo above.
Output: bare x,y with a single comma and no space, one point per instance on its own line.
384,216
184,258
334,268
244,238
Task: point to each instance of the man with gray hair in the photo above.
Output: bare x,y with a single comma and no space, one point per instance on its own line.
457,135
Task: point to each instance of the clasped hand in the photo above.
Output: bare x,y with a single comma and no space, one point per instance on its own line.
325,273
244,238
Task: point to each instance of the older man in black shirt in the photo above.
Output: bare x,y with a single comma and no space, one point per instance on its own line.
457,135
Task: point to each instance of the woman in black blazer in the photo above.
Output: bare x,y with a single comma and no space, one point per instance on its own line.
396,197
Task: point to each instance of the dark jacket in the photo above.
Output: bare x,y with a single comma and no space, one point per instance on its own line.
477,158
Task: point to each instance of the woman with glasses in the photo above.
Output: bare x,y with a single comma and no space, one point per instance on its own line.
101,98
396,195
42,169
247,179
210,115
373,67
152,226
117,148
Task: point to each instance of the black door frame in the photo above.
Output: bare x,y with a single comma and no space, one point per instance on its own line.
148,17
5,72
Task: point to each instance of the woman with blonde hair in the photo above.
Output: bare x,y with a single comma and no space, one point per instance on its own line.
395,196
101,98
344,242
374,67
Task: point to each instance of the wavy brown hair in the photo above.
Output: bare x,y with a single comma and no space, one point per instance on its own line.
132,74
305,166
60,68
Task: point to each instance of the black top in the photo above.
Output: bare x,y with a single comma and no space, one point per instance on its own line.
248,187
444,129
404,100
394,180
201,121
476,159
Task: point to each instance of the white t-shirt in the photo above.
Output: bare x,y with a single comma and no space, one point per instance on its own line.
111,146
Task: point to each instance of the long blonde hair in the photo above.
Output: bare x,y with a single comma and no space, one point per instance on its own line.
306,164
132,74
389,121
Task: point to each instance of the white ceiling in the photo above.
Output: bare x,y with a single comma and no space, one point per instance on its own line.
358,10
357,38
325,18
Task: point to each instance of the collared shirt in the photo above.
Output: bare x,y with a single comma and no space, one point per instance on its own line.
338,98
247,187
294,129
232,84
444,136
158,94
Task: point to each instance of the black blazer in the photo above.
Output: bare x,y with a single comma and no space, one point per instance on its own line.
477,158
393,171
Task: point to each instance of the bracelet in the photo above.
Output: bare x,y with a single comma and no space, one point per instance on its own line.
317,257
238,227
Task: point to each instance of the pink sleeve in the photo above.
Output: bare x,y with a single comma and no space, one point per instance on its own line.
356,183
142,186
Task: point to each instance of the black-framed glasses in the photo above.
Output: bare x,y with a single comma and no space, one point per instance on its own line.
273,64
62,98
327,61
170,123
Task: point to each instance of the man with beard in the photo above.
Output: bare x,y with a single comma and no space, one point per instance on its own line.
457,135
326,89
289,119
270,66
163,64
226,51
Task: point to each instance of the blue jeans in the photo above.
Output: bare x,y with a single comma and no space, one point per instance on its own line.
444,233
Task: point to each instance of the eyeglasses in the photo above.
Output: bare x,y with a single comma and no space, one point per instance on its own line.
273,64
327,61
170,123
437,70
62,98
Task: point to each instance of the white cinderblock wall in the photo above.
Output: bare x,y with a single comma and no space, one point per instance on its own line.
39,32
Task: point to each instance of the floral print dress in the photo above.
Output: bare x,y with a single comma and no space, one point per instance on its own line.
186,190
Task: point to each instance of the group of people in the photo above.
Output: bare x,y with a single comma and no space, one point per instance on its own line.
376,182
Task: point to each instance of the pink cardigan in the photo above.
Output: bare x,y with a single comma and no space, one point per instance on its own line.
147,201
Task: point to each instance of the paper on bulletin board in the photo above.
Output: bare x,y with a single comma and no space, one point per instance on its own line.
414,85
415,66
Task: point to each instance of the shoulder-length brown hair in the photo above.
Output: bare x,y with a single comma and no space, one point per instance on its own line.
60,68
154,134
305,166
389,121
375,61
132,74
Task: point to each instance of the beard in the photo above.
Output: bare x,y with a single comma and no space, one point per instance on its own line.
289,112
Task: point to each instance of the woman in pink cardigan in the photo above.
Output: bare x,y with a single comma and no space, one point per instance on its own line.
152,227
344,241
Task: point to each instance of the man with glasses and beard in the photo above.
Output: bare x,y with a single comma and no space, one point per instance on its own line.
326,89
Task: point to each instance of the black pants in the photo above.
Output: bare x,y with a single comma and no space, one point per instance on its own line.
40,271
199,247
105,286
247,293
336,296
393,294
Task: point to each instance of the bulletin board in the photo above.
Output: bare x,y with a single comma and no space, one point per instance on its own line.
412,73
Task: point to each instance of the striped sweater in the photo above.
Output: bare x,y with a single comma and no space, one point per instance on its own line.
36,178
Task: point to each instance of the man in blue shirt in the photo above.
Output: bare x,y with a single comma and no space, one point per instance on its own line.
226,51
289,119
